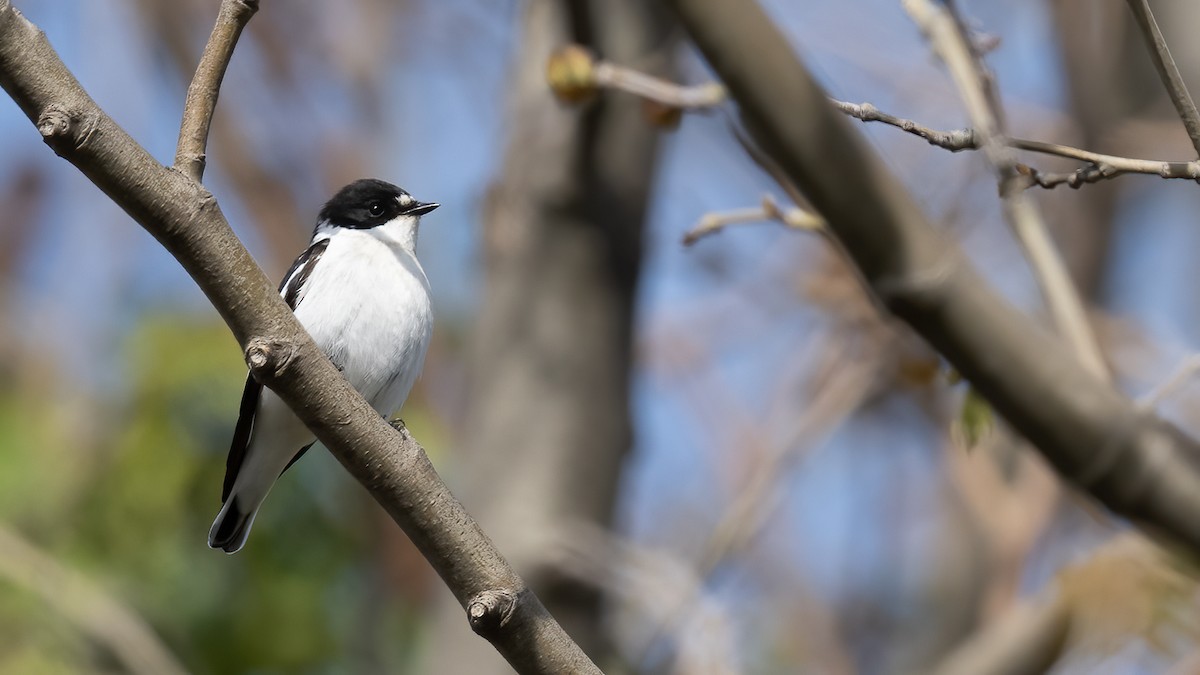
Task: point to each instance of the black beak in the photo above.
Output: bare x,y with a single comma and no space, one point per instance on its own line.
420,208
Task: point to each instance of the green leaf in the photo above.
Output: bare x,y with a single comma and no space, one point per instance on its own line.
975,419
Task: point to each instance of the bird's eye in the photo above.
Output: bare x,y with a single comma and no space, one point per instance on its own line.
375,208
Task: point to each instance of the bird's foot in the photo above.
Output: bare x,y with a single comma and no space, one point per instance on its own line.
398,425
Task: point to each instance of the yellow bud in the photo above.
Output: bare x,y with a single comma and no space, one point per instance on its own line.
570,72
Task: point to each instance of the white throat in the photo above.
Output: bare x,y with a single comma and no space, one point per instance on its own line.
398,234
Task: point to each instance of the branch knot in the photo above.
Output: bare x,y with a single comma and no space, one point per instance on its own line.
490,610
54,123
65,131
268,359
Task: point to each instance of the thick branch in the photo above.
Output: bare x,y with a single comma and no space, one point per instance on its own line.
1137,464
202,94
186,220
1167,70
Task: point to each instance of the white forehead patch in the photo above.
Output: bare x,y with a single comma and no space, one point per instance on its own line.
405,200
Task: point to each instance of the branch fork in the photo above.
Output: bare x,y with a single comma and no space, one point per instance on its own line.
172,205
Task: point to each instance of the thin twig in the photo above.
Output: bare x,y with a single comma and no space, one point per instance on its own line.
1168,387
954,141
687,97
202,93
766,163
652,583
770,210
839,388
88,607
1099,166
1167,70
949,39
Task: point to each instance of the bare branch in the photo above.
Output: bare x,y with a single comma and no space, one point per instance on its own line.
96,613
1167,70
574,74
202,93
838,388
1027,640
694,97
655,584
794,217
954,141
1128,586
949,39
1138,465
186,219
1184,372
1099,166
603,74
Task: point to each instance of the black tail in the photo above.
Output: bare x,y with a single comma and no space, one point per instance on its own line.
230,529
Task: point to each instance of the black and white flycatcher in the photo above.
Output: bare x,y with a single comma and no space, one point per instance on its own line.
361,293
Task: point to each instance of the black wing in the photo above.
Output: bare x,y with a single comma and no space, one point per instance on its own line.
293,283
301,270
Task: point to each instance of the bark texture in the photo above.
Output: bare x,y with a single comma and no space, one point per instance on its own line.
548,424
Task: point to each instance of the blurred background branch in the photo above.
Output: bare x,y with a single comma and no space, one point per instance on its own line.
562,255
96,613
575,75
793,217
947,34
1167,70
934,291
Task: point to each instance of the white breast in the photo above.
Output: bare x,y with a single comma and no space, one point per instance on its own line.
367,305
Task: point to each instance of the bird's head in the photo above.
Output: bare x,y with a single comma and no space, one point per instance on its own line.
371,204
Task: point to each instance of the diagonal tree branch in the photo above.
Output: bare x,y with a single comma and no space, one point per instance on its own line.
186,219
1136,464
202,93
1167,70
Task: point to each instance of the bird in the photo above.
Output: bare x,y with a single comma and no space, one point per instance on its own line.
360,292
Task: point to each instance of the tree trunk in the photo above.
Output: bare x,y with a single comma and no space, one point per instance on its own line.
548,423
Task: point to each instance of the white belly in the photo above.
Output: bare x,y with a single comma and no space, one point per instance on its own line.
367,306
